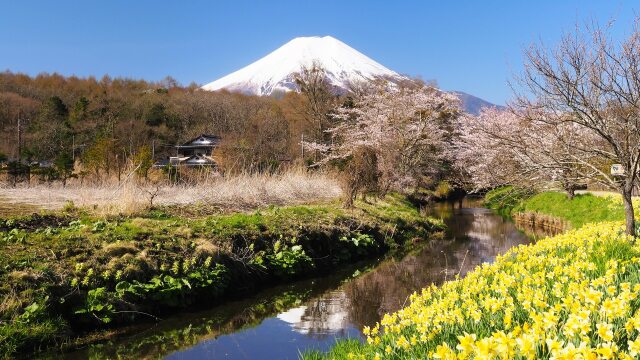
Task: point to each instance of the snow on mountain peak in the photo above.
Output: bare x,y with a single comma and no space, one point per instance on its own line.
274,72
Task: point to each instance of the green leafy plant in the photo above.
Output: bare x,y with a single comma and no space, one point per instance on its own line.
33,311
443,190
289,260
75,225
48,231
14,236
172,290
99,226
97,304
360,240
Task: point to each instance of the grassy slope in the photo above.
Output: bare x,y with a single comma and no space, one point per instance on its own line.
66,273
581,210
504,199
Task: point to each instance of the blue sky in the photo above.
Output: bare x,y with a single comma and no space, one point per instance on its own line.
472,46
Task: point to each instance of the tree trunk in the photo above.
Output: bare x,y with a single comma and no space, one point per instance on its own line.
571,192
627,191
348,201
352,193
570,188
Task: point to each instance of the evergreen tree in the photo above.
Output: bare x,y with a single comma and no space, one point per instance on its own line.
63,165
156,115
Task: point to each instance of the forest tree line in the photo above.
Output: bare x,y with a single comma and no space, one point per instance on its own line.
378,136
105,124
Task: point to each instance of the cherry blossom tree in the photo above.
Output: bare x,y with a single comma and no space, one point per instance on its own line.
503,147
593,83
389,139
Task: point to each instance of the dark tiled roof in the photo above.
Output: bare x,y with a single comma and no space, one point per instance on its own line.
202,140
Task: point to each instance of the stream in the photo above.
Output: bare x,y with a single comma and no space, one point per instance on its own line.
284,321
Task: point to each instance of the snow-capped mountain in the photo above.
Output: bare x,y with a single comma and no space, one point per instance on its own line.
343,65
274,72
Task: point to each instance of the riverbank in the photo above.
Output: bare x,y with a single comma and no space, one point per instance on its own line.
555,209
570,295
67,274
282,321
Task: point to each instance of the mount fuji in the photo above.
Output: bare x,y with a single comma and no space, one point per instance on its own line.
343,65
274,72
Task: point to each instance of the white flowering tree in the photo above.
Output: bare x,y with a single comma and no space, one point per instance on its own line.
389,138
503,147
593,83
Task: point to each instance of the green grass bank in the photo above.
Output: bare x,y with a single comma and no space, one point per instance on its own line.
69,274
582,209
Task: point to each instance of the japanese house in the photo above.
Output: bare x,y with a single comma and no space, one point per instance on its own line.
195,152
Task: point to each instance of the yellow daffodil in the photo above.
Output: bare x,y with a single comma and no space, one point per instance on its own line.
542,296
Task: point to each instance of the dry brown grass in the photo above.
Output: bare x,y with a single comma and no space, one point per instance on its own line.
239,192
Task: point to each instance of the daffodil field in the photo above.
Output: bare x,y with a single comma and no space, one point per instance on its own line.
572,296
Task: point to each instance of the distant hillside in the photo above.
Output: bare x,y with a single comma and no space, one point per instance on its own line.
473,104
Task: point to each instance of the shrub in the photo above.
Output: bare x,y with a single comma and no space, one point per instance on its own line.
443,190
289,260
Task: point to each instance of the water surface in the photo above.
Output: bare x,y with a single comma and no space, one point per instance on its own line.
282,322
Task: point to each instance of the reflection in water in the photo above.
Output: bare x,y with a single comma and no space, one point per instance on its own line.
474,236
326,315
281,322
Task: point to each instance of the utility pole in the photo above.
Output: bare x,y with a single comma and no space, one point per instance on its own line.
73,148
302,146
20,137
153,149
131,136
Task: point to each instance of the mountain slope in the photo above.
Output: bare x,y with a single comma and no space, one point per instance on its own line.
274,72
473,104
343,65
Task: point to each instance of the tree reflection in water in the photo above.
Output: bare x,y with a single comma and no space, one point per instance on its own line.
312,314
475,235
